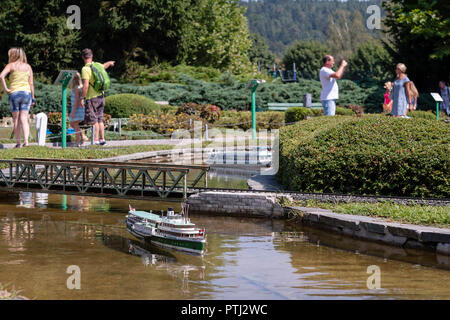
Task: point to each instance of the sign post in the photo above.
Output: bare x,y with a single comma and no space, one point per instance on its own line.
437,97
252,85
64,79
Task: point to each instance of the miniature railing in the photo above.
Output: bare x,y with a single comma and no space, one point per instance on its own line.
99,177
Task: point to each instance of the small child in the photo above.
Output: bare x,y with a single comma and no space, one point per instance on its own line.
77,110
387,105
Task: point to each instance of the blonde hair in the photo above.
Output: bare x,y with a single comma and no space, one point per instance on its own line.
75,82
17,55
401,67
413,90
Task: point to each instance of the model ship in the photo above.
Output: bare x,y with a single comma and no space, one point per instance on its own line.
173,231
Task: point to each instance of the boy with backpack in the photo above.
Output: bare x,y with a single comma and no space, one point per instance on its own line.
95,82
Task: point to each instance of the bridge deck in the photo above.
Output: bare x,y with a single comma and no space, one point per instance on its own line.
90,177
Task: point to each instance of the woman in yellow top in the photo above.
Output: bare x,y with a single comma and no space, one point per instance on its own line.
21,91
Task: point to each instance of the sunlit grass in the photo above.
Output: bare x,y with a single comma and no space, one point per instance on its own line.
414,213
76,153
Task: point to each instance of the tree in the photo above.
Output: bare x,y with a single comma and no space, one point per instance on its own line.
200,32
307,56
371,61
217,36
420,32
40,28
282,22
346,31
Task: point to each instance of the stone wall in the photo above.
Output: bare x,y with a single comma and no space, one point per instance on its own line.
374,229
236,204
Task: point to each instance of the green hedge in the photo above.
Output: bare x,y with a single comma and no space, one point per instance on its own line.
340,111
243,120
422,114
295,114
370,155
124,105
228,93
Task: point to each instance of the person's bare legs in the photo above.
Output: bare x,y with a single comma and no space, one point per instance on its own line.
96,131
101,130
16,119
25,126
74,125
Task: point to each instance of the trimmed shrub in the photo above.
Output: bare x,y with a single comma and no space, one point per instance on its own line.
422,114
358,110
243,120
340,111
161,123
295,114
208,112
372,155
124,105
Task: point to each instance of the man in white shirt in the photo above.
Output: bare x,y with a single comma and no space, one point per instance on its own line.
330,90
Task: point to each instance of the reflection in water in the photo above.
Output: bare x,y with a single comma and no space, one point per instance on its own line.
154,257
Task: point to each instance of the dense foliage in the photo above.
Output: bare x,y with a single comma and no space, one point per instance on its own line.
370,155
371,62
125,104
295,114
198,32
307,56
243,120
282,22
420,33
228,95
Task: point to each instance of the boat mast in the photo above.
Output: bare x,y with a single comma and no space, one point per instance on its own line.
185,211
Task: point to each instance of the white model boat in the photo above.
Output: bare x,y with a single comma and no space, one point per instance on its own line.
173,231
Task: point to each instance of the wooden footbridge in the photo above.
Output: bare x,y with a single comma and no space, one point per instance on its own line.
94,178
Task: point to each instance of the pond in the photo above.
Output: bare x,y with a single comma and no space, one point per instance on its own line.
41,235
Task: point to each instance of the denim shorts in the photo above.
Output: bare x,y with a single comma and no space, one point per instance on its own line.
329,107
20,101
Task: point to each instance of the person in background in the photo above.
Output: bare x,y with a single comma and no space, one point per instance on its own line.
95,101
445,94
77,110
414,94
387,105
330,90
21,92
400,93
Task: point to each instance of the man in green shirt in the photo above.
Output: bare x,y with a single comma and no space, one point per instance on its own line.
95,101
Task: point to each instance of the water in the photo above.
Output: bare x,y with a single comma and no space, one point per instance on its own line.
41,235
219,176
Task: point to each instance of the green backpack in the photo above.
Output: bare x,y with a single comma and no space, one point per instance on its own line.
101,78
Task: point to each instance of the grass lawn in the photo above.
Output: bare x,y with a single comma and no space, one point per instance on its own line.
75,153
438,216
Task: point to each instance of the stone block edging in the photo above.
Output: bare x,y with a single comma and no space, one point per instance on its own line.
375,229
248,204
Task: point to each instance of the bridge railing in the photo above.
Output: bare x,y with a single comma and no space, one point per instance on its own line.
113,178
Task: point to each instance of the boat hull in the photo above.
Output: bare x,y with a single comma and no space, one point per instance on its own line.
196,247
